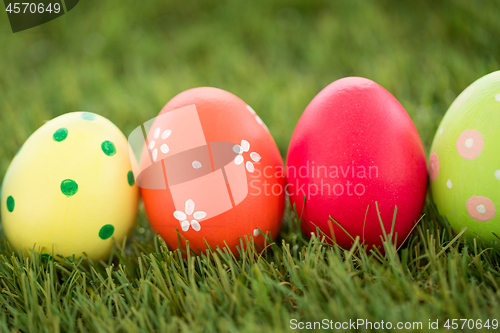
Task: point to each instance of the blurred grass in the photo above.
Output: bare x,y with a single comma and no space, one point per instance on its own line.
125,60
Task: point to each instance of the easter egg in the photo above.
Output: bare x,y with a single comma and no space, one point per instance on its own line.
464,162
70,190
211,173
355,154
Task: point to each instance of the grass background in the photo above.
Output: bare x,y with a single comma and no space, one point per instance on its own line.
125,60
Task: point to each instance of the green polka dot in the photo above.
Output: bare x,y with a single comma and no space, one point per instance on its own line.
130,178
88,116
60,134
108,148
69,187
106,231
10,204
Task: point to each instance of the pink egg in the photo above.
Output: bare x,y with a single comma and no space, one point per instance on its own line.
355,145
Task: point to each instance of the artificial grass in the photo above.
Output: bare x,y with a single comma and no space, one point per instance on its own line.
125,60
145,286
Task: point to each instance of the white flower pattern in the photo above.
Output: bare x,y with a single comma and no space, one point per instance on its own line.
243,148
164,147
257,118
188,211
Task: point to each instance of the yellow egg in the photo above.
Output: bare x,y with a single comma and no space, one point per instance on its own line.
70,189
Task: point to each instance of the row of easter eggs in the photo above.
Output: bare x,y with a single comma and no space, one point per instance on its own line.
209,172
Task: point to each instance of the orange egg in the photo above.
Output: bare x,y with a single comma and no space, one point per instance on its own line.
211,172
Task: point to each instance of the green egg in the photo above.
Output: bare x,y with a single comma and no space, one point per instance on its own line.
464,162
